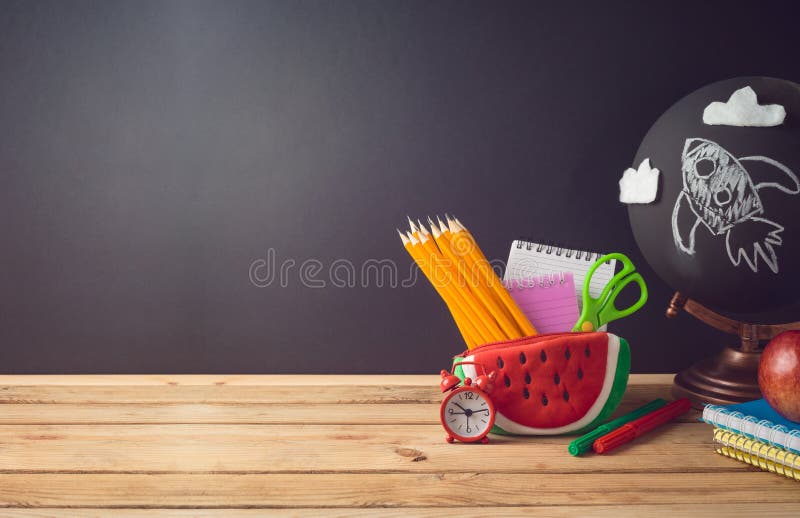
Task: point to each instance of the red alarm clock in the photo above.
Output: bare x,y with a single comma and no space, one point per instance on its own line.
467,413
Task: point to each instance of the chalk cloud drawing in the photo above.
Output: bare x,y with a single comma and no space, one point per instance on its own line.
723,198
742,109
639,185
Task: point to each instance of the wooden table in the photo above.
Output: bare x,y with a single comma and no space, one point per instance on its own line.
331,446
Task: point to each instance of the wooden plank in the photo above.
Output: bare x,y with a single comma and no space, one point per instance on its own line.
388,490
706,510
425,380
260,380
218,394
334,448
254,413
408,414
639,391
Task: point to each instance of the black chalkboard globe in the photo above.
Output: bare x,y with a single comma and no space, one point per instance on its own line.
725,226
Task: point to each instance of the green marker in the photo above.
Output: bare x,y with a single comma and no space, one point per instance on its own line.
584,443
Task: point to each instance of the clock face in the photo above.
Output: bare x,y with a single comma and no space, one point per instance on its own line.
467,414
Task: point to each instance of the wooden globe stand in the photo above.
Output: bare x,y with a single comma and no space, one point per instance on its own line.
732,375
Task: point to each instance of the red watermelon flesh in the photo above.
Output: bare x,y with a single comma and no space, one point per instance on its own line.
553,384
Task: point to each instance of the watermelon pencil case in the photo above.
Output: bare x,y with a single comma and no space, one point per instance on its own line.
552,384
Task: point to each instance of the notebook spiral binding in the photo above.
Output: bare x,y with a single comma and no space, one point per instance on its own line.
767,457
552,247
542,281
723,418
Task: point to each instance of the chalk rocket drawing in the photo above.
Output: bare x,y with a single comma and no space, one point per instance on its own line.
723,197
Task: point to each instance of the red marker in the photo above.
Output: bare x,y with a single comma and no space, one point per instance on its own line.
630,431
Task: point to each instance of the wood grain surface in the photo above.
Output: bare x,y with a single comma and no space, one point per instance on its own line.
335,445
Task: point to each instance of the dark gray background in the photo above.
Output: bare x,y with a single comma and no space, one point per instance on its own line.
151,151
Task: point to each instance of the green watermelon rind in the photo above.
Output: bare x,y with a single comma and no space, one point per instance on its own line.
618,387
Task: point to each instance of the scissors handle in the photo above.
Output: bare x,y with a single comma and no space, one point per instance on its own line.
609,311
599,311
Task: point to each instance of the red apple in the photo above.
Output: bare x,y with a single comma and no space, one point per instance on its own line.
779,374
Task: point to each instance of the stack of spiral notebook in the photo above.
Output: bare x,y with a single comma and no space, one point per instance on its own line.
754,433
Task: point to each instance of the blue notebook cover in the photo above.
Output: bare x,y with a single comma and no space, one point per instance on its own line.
760,409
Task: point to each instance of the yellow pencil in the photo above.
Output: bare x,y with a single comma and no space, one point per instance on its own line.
466,329
470,246
481,307
464,326
451,277
484,269
483,292
443,278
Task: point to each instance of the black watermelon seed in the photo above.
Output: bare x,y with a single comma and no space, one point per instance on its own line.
586,351
522,358
544,399
527,378
525,393
580,373
543,356
566,395
567,354
500,362
507,381
557,379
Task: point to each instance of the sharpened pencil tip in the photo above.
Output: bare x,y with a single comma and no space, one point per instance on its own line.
411,224
431,223
403,238
434,229
451,224
442,227
423,229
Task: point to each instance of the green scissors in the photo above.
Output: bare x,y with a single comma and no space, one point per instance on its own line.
602,310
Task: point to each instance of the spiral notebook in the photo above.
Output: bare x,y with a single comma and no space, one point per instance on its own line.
548,301
527,259
756,420
756,453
